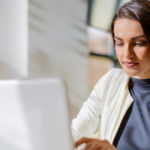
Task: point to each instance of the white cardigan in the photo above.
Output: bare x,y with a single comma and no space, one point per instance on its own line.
105,107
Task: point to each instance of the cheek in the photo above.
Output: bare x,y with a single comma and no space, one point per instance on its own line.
119,55
143,55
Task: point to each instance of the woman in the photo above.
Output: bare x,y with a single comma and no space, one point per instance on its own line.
119,105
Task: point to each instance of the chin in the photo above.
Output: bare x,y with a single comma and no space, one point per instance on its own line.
131,72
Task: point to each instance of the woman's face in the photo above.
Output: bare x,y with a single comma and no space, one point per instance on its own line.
132,48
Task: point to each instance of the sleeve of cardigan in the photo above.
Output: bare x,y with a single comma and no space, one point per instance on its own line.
88,119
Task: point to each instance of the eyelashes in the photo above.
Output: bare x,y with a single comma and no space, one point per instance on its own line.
134,44
141,43
119,44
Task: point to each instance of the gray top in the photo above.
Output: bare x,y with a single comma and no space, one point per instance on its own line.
134,132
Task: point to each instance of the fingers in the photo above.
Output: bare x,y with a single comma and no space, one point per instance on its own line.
88,146
82,141
95,144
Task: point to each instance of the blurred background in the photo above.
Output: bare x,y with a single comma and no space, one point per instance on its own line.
69,39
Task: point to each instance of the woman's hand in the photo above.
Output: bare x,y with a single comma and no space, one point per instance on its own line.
95,144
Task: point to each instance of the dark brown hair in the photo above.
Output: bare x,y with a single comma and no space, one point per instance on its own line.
137,10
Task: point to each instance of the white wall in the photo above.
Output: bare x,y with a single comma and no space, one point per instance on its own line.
13,39
58,45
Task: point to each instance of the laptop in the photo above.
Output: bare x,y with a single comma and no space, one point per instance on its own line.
34,115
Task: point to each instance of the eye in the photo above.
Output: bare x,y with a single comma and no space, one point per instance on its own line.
119,43
141,43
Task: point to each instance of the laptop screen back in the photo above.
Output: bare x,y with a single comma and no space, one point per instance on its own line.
34,115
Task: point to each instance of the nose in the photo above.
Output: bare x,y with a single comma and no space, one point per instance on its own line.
129,52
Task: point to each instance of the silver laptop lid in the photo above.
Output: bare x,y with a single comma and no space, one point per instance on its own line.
34,115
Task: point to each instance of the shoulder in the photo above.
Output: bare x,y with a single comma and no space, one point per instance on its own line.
114,75
112,80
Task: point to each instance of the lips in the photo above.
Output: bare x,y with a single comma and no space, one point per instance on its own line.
130,64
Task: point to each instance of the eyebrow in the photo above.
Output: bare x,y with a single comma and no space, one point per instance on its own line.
132,38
